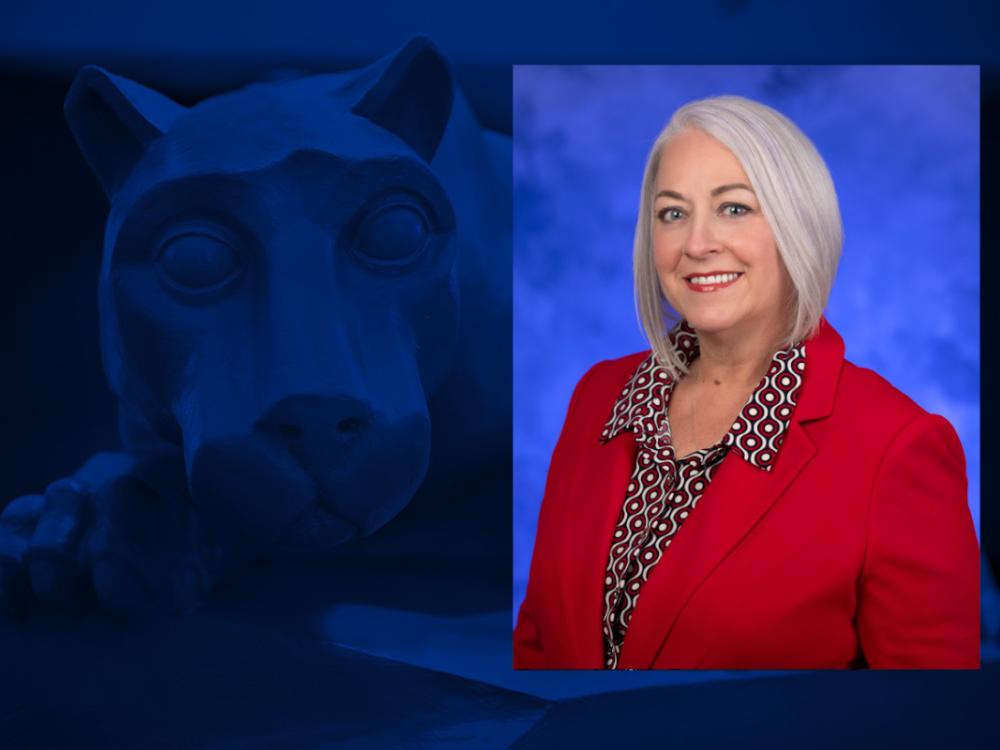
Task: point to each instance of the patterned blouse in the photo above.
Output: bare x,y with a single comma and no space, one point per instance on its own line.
663,490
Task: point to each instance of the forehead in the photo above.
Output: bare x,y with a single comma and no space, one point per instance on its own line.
694,158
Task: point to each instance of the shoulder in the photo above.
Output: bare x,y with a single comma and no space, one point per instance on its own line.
884,415
605,380
865,389
616,371
847,398
596,392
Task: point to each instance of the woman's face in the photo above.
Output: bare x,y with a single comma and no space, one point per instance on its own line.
713,250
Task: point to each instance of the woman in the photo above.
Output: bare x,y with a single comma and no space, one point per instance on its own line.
742,496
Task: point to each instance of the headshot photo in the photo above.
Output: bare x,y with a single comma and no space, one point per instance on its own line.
746,368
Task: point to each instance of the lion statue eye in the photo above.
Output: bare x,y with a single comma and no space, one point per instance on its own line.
393,236
197,262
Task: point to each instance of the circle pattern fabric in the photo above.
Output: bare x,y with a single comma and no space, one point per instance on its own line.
662,491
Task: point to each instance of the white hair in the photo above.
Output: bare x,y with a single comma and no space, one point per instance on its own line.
796,196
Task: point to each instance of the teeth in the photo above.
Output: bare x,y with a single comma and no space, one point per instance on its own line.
720,278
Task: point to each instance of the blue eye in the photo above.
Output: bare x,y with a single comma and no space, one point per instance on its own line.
669,215
197,262
734,209
393,235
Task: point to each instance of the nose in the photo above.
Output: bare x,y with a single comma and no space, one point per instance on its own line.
317,420
701,242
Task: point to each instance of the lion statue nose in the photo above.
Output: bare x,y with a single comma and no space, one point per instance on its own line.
305,421
314,469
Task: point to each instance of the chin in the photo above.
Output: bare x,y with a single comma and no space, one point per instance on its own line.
314,535
712,322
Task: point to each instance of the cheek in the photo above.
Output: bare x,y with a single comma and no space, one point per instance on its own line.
666,255
755,248
434,321
773,282
777,273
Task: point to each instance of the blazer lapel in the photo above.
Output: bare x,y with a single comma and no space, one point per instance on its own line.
737,498
601,499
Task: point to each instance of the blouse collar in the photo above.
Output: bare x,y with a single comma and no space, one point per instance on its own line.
759,428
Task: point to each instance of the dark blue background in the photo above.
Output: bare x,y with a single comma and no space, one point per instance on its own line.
266,687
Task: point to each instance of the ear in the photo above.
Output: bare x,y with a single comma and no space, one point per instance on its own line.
411,96
114,120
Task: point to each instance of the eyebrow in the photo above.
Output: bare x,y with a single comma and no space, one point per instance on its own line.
715,191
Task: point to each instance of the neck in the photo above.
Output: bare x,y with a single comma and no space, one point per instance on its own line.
733,358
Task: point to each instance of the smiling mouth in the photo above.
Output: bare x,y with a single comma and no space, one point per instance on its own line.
711,282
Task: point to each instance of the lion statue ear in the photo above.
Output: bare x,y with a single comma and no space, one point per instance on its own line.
411,95
114,120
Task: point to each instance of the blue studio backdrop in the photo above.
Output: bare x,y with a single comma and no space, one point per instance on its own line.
902,144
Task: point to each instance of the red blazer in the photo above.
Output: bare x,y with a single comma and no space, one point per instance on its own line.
857,548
